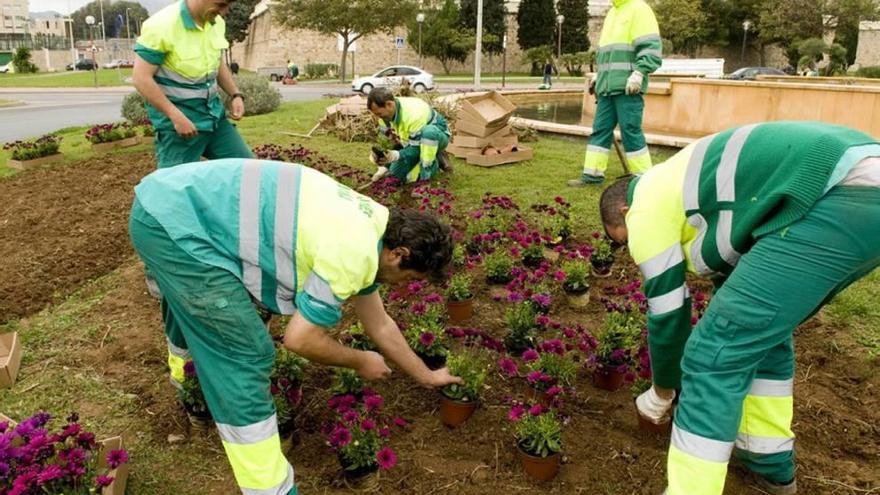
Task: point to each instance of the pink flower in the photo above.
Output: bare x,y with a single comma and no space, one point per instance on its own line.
117,458
189,369
508,366
394,296
386,458
102,480
534,377
427,339
50,473
530,355
542,320
368,424
340,437
536,410
415,287
373,402
401,422
559,276
419,308
350,416
516,413
553,391
433,298
385,432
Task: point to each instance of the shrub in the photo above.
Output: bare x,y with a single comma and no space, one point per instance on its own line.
134,107
317,71
21,60
34,148
872,72
459,288
538,430
259,96
107,133
471,366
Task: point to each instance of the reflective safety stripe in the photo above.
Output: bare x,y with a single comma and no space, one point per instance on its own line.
180,78
723,231
767,416
649,52
175,368
597,149
319,289
772,388
249,228
691,191
616,66
189,94
414,142
640,164
633,154
701,447
282,489
670,301
691,475
430,142
698,222
617,47
177,351
252,433
594,172
655,266
764,445
646,38
259,466
724,176
285,211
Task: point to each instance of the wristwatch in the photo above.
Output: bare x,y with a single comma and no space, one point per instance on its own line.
238,95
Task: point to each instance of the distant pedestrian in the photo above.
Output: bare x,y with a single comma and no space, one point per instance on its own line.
548,74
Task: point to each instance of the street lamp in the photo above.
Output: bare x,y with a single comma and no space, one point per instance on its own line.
559,20
90,20
747,24
127,28
478,50
420,18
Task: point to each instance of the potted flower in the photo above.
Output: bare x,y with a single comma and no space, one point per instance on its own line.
286,387
105,137
532,253
574,282
424,332
538,433
69,460
459,256
30,153
193,400
499,267
602,256
147,131
639,386
520,327
458,401
359,440
357,338
459,298
346,381
617,340
555,222
550,371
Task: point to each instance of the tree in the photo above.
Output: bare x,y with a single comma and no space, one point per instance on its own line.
575,28
111,12
788,22
813,50
494,22
350,19
848,13
536,20
682,22
724,21
238,20
21,60
442,38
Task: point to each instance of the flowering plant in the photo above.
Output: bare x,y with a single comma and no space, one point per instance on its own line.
499,267
459,288
359,436
471,366
34,460
459,257
34,148
520,324
146,128
575,273
190,393
555,222
602,255
107,133
538,430
346,381
425,329
358,339
286,384
550,367
618,338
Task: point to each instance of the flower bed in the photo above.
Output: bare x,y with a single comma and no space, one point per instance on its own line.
105,137
31,153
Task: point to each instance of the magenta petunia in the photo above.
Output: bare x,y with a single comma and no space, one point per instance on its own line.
50,473
536,410
385,432
427,339
368,424
516,412
433,298
534,377
117,458
351,416
553,391
373,402
508,366
559,276
401,422
102,480
530,355
386,458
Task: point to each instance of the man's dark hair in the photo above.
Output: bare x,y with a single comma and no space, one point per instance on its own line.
612,200
379,97
428,239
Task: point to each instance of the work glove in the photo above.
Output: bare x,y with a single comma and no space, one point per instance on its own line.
380,172
653,407
634,83
593,78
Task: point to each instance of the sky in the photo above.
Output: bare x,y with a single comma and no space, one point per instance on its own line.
67,6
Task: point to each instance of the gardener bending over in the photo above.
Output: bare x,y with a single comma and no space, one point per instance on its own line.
219,233
785,215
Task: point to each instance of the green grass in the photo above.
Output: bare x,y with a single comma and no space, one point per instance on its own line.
6,103
857,309
72,79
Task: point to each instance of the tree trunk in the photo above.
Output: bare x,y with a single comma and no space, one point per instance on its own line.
342,71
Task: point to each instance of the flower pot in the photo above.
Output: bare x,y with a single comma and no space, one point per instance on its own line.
534,395
601,269
650,427
577,300
608,378
540,468
363,478
533,261
28,164
112,145
433,362
455,412
200,421
460,311
147,139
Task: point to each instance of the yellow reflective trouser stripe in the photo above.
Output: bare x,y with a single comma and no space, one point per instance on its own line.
260,465
595,162
639,162
689,475
767,416
175,365
428,152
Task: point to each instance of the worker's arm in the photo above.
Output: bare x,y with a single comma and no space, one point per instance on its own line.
312,342
646,41
227,82
382,330
142,76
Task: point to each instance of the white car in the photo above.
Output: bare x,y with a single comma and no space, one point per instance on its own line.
420,80
6,68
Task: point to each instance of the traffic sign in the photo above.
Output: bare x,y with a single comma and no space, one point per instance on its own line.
398,42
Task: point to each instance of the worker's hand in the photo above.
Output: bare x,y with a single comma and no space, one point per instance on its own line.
184,127
371,366
392,156
237,110
380,173
593,78
634,83
654,408
440,378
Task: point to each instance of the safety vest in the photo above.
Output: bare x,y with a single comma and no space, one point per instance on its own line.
188,56
705,207
413,114
630,41
296,238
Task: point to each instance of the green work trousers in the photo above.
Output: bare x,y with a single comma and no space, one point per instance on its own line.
223,142
209,317
418,159
625,110
738,364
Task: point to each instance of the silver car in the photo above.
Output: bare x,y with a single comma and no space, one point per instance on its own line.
418,79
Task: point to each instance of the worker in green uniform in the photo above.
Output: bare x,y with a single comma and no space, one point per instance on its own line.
217,235
178,68
414,135
782,216
629,50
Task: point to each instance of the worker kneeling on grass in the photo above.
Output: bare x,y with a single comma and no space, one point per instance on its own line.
215,237
414,135
785,215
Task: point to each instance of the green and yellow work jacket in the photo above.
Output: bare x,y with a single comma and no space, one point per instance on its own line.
705,207
630,41
411,118
188,56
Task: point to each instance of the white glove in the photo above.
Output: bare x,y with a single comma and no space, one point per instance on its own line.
634,83
392,156
653,407
381,172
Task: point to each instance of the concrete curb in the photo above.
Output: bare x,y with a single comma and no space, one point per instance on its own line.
100,89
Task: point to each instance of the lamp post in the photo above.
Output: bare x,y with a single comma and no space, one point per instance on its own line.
127,28
90,20
747,24
420,18
478,51
559,20
103,26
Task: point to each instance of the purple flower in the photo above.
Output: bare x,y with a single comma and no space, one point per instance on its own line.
427,339
340,437
49,473
553,391
117,458
102,480
373,402
530,355
415,287
433,298
189,369
419,308
401,422
508,366
368,424
542,300
559,276
516,413
385,432
351,416
534,377
536,410
386,458
542,320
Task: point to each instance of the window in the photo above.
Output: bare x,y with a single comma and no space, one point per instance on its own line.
388,72
406,71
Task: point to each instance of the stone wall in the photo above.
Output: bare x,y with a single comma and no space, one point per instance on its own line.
868,52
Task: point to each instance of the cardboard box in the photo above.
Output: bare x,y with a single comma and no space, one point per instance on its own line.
467,140
503,141
462,151
523,153
10,358
466,126
488,109
353,105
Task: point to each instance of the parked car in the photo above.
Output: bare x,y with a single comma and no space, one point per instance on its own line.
420,80
4,69
751,73
118,64
83,64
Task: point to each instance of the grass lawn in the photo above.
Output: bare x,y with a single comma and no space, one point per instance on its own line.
4,103
72,79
